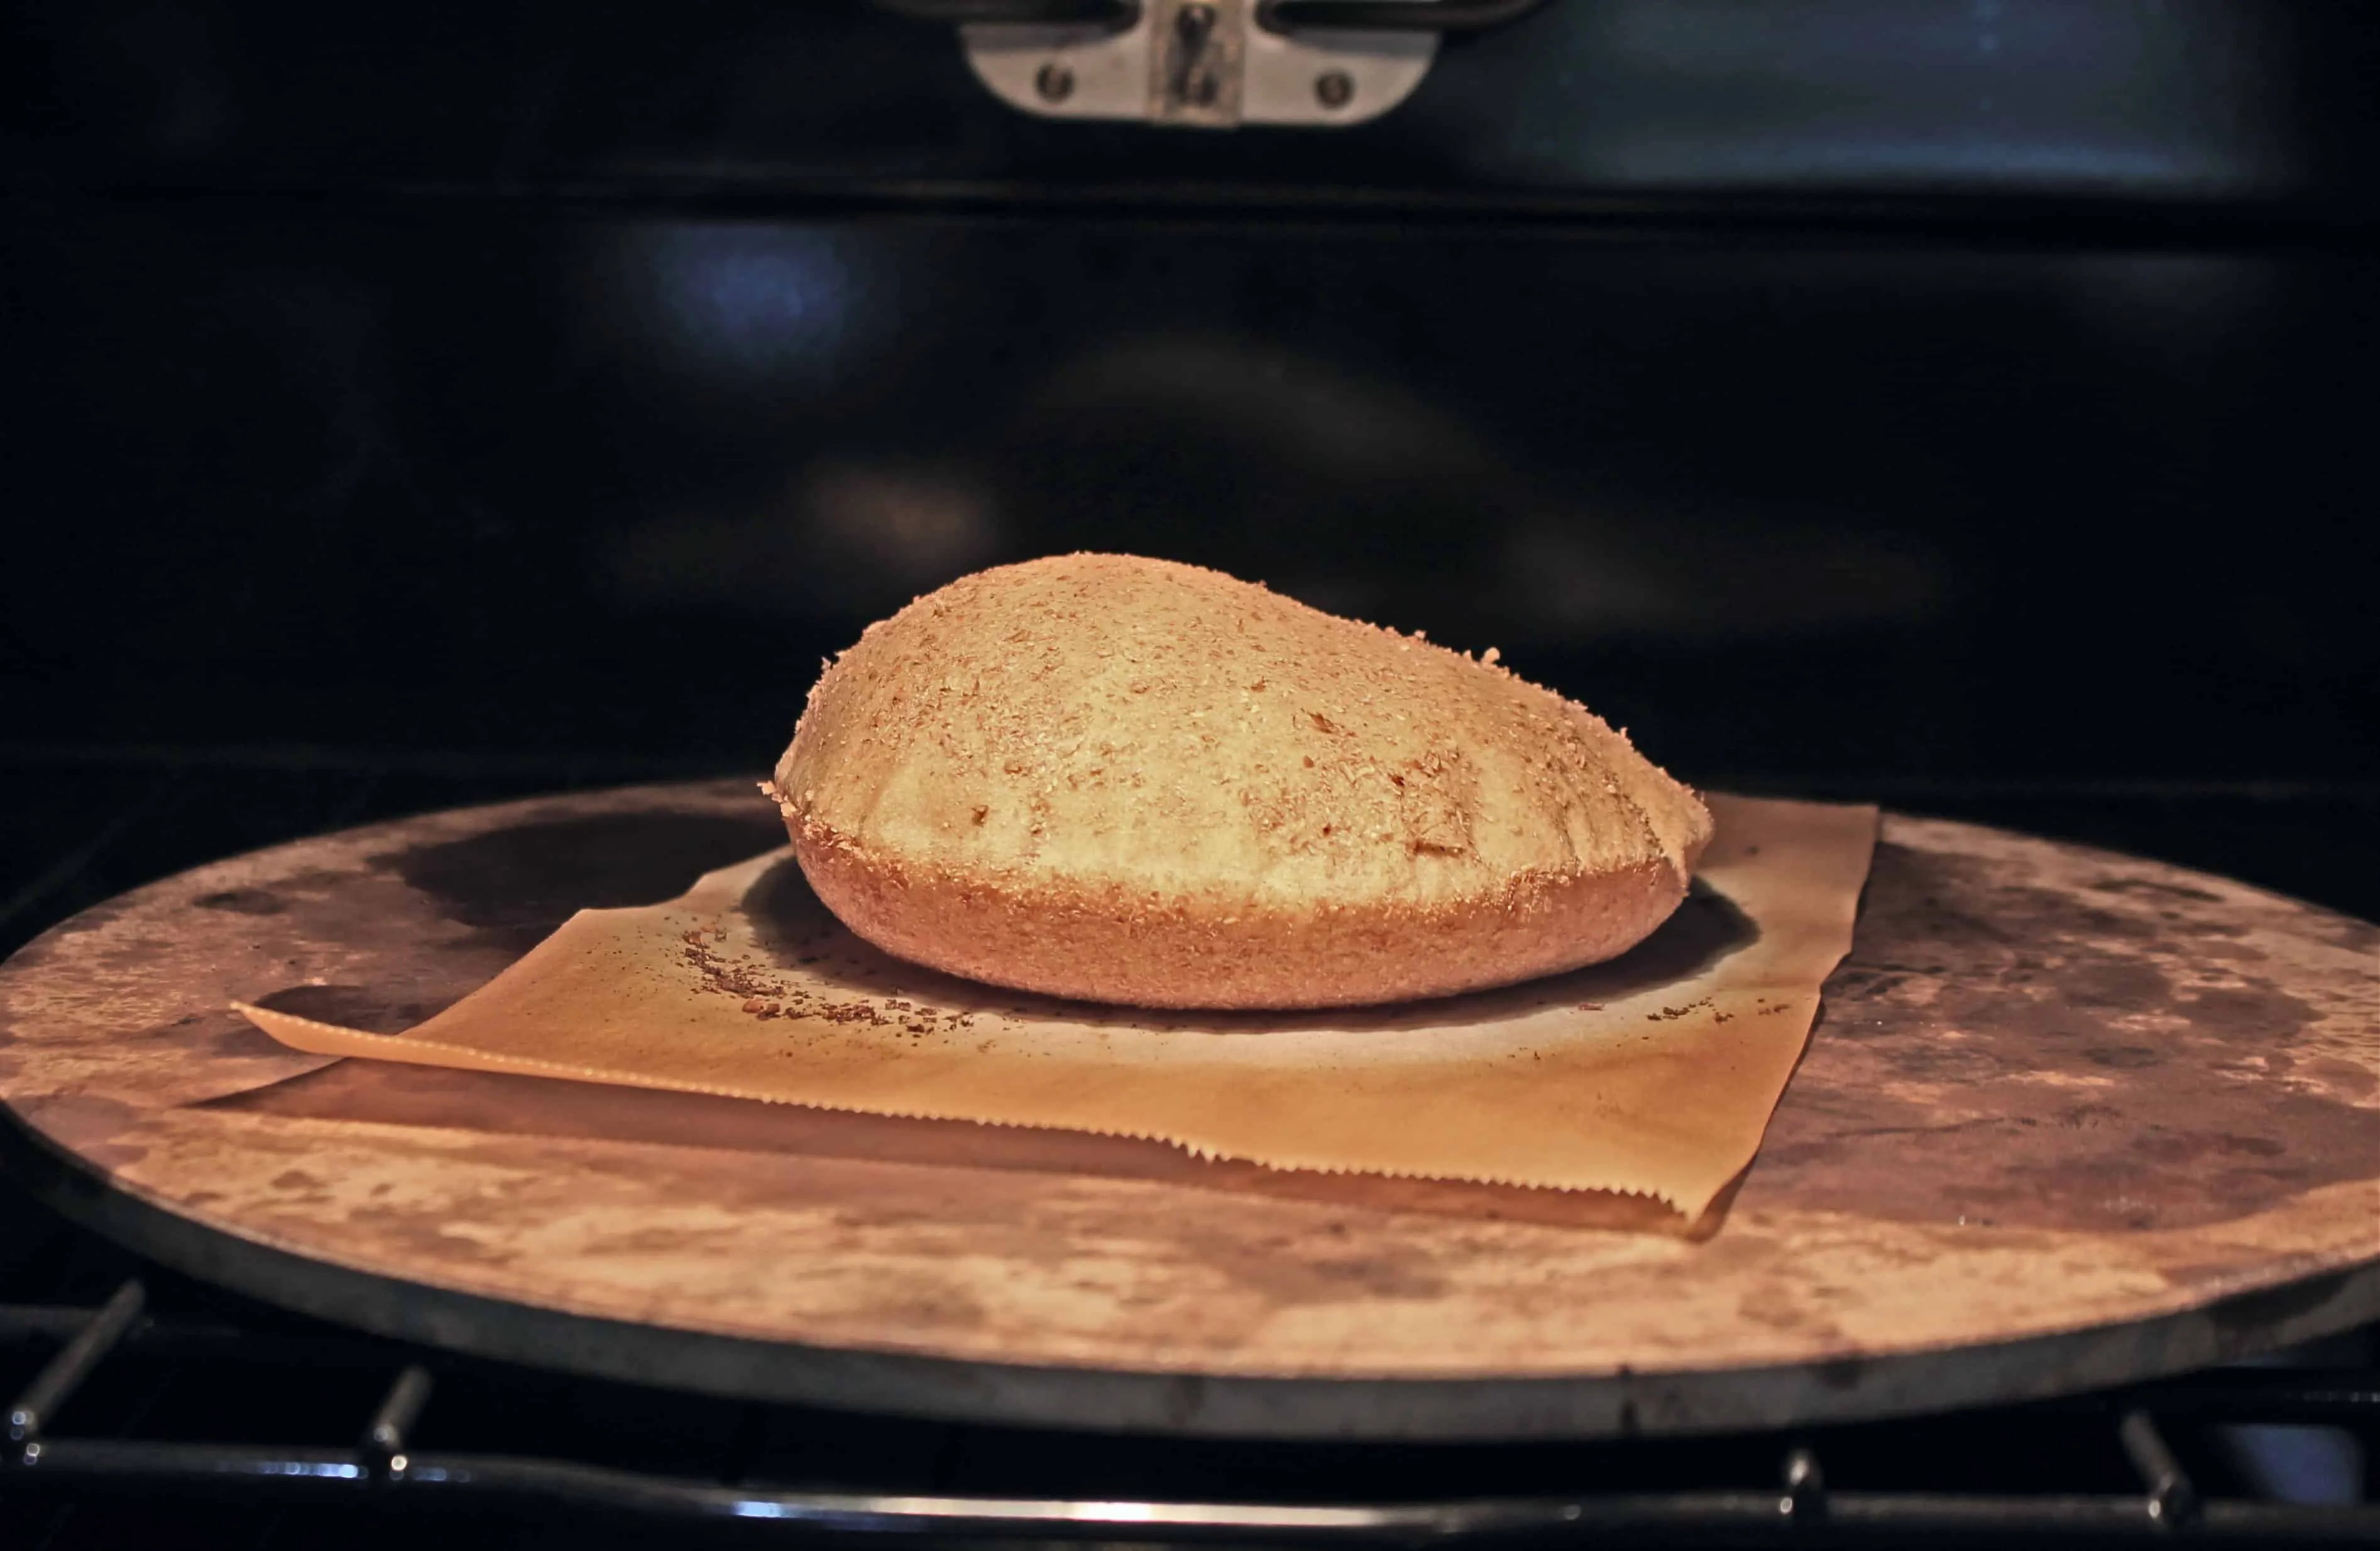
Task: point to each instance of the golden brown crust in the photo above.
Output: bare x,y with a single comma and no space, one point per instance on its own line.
1130,780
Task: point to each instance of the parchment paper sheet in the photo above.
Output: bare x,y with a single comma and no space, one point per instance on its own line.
1653,1075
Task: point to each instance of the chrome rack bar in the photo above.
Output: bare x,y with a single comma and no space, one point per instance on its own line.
384,1446
72,1363
2173,1499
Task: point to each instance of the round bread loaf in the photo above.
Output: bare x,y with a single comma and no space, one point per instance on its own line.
1136,782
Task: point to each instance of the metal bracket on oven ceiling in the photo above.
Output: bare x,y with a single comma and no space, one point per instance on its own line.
1207,64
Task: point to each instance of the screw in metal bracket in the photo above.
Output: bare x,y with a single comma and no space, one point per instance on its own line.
1334,89
1054,83
1194,80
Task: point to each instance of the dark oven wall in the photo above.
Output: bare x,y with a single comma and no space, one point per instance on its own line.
1830,393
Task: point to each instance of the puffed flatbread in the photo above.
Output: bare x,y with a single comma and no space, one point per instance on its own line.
1136,782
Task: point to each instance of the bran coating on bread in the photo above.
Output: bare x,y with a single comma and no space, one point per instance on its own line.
1132,781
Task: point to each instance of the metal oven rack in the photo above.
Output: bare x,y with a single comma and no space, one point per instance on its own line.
380,1470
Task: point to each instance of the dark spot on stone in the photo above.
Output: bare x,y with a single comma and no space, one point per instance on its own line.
2121,987
89,1127
2153,887
516,885
295,1179
2351,1081
243,902
2163,1146
414,1232
2258,1009
355,1007
2009,1041
2356,936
